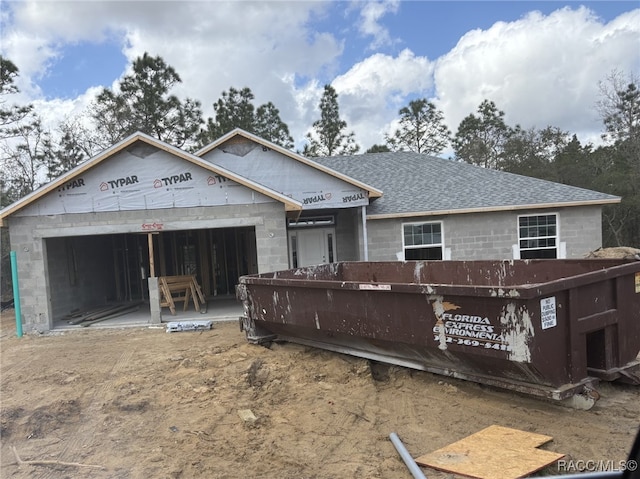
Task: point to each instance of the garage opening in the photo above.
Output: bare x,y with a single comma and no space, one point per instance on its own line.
88,272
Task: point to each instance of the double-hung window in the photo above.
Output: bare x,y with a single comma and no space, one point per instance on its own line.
538,236
422,241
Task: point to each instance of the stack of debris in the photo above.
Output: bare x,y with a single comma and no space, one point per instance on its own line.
174,326
619,252
95,315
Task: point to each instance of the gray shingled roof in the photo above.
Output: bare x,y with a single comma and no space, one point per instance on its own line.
417,183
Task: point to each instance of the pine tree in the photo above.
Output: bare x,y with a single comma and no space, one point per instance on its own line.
480,140
328,137
269,126
421,129
144,103
235,109
24,143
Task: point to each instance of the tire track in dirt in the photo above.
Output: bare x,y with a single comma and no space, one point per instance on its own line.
85,433
339,426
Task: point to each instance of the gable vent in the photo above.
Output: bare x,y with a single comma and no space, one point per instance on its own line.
239,146
141,150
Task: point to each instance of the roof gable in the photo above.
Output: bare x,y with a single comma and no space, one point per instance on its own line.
291,174
91,185
418,185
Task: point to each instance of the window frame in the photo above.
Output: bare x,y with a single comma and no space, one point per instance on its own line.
440,245
556,236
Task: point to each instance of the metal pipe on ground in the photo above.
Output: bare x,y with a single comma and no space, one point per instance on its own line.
415,470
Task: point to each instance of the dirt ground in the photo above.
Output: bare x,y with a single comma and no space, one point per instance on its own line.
142,403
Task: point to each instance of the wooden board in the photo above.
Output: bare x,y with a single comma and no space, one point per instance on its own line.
115,314
494,453
107,311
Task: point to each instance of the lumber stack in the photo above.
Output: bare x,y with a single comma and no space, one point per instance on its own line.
91,316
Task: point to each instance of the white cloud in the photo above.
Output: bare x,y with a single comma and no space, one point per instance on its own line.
372,91
371,14
540,70
212,45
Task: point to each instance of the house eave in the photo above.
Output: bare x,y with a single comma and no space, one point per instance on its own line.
490,209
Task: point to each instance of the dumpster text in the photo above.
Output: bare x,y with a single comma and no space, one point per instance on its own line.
466,330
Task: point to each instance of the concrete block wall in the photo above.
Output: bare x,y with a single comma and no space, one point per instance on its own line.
271,238
481,236
384,238
31,235
581,229
32,276
490,235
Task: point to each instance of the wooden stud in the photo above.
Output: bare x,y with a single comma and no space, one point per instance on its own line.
152,264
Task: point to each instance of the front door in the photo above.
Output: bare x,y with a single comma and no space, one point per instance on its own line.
312,246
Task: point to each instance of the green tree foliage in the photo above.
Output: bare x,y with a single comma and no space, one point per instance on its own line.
27,158
10,115
24,143
76,144
619,108
533,152
421,129
269,126
576,165
328,137
378,149
480,140
144,103
235,109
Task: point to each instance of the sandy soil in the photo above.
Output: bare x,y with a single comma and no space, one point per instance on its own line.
142,403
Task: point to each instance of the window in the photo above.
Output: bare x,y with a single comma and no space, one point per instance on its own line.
422,241
538,236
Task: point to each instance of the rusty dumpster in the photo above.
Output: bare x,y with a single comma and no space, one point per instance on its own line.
549,328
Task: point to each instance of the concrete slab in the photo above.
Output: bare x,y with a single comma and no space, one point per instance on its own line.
225,308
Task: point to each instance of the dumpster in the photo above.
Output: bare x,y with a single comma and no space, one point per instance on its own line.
548,328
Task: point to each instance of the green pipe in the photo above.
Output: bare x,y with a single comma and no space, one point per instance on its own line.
16,293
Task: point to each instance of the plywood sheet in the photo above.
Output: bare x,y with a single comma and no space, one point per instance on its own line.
494,453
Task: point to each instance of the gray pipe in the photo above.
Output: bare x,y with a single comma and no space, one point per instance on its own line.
416,472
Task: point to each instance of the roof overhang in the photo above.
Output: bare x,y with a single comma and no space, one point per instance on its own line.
414,214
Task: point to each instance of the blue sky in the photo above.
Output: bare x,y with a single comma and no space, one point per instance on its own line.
539,61
81,66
